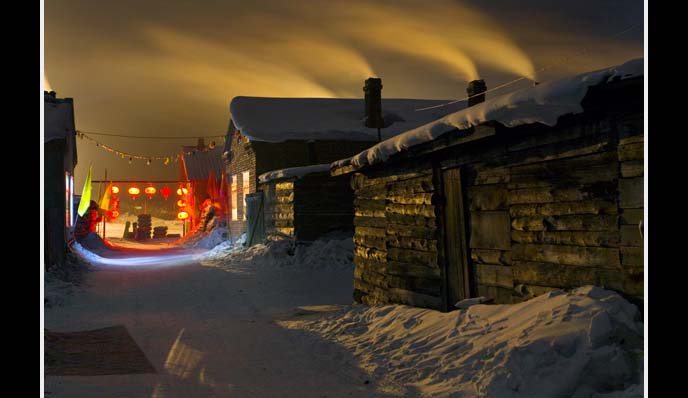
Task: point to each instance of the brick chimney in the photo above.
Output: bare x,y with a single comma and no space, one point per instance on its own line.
476,87
201,144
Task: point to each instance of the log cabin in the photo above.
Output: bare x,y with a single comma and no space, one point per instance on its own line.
509,198
267,134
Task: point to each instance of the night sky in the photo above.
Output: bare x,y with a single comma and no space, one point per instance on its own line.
171,68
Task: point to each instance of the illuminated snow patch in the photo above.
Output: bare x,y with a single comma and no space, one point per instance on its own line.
165,260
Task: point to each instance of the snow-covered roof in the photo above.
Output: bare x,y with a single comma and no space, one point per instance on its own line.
281,119
543,103
293,172
58,118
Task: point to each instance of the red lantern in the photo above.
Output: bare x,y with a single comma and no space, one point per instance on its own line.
134,192
182,191
115,189
113,214
182,215
166,191
150,191
181,203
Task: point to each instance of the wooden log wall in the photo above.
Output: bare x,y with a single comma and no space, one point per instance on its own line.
322,204
396,240
548,208
279,207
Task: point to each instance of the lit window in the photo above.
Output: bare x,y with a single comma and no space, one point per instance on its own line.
234,187
245,176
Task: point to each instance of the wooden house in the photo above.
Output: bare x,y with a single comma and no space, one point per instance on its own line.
306,202
60,159
509,198
267,134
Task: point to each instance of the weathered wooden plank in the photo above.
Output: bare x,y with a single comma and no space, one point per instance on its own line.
360,181
369,253
375,242
371,277
485,256
402,296
630,236
373,222
363,212
415,270
632,256
411,256
285,230
367,203
487,197
490,230
284,186
497,175
494,275
631,192
370,264
564,208
633,151
572,171
632,168
370,294
412,231
284,199
585,222
573,238
631,216
569,255
408,219
371,231
565,276
499,295
284,223
415,198
416,285
416,210
601,190
412,243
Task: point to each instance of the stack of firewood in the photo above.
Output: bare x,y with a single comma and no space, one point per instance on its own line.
143,232
159,232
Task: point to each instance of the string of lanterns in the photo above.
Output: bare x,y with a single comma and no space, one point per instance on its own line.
167,159
150,190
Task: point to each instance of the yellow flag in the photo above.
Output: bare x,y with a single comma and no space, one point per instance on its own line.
85,194
105,201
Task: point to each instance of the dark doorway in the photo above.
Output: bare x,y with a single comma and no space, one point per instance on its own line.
457,276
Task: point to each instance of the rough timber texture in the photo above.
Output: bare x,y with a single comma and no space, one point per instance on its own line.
260,157
547,207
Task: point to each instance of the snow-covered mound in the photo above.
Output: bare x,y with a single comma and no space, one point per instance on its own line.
206,240
584,343
329,254
61,282
94,243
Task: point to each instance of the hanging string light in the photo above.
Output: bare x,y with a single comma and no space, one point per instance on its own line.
166,159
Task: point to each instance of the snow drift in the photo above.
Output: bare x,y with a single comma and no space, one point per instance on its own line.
327,254
584,343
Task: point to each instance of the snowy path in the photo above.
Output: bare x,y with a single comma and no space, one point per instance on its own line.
211,333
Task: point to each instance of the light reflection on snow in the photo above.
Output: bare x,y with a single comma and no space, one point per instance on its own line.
165,260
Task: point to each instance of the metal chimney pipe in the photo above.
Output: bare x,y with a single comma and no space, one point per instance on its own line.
373,104
476,90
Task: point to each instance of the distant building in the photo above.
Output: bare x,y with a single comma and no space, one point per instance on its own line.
510,198
59,143
267,134
199,164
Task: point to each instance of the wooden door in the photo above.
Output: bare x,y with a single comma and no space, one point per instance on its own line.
457,276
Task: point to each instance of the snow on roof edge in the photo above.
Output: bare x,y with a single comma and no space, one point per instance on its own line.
291,172
543,103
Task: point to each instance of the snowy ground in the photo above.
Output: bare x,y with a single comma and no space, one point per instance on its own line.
276,320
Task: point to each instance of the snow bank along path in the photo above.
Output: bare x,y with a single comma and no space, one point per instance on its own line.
585,343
